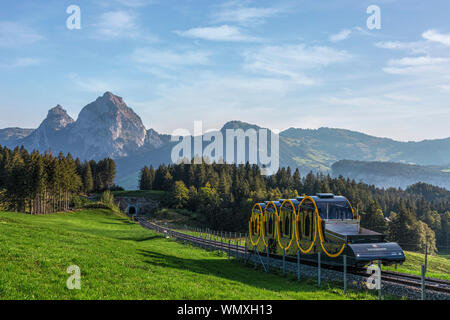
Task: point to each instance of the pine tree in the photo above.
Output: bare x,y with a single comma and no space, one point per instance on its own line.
88,180
373,218
404,228
297,182
180,194
144,179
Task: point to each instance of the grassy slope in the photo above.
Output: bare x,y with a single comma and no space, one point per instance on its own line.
437,266
121,260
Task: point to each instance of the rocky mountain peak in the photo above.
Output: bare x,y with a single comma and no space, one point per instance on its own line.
57,118
117,129
109,96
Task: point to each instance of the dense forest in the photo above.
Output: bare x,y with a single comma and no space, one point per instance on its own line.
41,183
222,195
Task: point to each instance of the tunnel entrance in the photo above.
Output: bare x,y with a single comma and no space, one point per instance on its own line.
131,210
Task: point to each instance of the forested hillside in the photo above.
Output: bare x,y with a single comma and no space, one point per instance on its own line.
41,183
222,197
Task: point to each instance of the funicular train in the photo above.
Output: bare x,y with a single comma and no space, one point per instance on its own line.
323,223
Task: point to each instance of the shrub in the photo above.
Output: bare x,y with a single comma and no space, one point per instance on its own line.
107,199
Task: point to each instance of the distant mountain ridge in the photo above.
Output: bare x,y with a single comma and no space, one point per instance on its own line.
107,127
322,147
392,174
11,135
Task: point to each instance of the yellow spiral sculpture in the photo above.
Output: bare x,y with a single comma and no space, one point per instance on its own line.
278,225
297,234
260,220
250,224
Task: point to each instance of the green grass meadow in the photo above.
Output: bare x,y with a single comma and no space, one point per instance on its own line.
121,260
437,266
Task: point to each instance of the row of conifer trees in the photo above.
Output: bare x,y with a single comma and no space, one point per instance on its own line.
42,183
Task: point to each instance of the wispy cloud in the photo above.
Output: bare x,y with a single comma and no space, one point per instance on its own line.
236,12
120,24
167,63
342,35
116,24
402,97
218,97
293,61
413,47
169,58
431,38
433,35
418,61
92,84
126,3
13,34
136,3
221,33
421,66
432,63
21,62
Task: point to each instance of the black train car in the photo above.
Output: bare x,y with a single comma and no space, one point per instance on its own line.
323,223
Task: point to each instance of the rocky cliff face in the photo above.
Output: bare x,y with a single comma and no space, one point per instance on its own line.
50,132
107,127
154,140
57,119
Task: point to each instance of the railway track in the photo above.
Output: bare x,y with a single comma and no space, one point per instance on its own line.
431,284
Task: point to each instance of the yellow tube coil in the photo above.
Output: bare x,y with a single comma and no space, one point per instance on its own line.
331,255
278,225
258,229
297,235
261,228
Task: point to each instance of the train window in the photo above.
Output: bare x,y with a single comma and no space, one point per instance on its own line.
337,210
299,228
307,224
265,228
286,226
280,227
270,224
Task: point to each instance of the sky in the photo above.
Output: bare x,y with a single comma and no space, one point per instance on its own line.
277,64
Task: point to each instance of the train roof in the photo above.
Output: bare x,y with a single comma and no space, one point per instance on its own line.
329,198
318,198
275,202
263,205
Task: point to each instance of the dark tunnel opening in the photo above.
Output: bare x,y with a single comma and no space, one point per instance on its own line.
132,210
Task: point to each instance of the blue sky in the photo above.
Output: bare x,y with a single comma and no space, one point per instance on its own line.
277,64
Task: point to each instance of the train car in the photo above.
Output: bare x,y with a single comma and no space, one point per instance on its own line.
322,223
